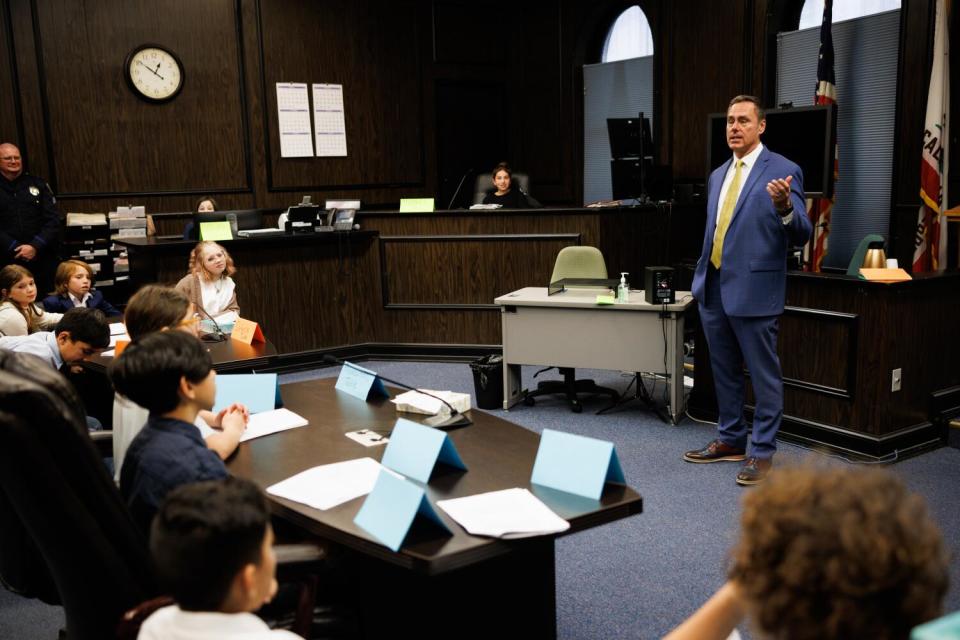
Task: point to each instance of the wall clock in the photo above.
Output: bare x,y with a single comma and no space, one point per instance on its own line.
154,73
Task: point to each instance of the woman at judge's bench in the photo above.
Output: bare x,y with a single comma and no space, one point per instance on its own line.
209,286
507,194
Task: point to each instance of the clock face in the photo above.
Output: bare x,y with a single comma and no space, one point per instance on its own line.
154,73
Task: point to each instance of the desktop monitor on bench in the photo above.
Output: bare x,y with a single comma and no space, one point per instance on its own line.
246,219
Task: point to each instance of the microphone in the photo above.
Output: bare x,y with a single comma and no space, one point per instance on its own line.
457,192
218,335
454,420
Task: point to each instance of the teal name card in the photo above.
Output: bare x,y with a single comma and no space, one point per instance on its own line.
257,391
576,464
359,382
414,450
389,511
945,628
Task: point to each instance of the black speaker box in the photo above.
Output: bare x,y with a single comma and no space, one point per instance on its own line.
658,285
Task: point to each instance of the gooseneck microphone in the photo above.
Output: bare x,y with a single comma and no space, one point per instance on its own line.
457,192
455,419
218,335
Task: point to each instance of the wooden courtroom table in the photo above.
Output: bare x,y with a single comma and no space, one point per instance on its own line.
437,585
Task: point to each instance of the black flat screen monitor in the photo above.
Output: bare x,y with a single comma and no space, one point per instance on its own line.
630,137
303,213
246,219
805,135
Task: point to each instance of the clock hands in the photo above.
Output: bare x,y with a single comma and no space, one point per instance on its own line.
153,71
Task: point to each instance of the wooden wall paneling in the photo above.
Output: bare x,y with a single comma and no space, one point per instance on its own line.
463,270
33,140
542,150
11,118
707,71
372,49
913,78
106,140
468,33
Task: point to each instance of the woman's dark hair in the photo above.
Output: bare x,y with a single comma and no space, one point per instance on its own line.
503,166
204,534
196,206
149,369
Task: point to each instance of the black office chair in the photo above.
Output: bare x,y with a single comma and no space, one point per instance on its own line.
573,262
484,186
66,535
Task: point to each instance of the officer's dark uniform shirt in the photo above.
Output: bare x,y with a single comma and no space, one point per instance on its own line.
28,215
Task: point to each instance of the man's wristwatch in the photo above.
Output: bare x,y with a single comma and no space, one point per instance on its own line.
787,211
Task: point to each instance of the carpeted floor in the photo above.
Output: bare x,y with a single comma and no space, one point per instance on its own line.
639,577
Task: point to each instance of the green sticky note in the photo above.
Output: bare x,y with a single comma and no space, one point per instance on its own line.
215,231
416,205
605,300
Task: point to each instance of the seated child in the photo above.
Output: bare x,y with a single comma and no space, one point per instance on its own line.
169,373
73,288
830,554
212,545
156,308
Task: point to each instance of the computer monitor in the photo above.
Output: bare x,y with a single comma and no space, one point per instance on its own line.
630,137
246,219
805,135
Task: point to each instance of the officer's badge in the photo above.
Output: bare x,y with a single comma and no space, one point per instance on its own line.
34,191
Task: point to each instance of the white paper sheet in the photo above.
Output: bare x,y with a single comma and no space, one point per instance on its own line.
416,402
293,120
118,329
331,484
328,120
511,513
267,422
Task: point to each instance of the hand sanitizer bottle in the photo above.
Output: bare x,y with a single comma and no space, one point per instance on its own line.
623,291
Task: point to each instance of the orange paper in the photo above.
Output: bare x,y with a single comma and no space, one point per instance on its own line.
884,275
247,332
119,347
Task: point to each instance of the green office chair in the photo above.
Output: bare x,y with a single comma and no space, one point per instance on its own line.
573,262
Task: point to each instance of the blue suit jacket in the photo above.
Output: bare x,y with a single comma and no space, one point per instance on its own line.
753,273
62,304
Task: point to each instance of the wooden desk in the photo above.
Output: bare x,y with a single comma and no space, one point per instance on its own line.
229,356
569,329
436,585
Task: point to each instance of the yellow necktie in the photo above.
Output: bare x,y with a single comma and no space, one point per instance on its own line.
726,212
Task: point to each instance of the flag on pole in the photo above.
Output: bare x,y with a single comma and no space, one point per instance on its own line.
821,209
930,241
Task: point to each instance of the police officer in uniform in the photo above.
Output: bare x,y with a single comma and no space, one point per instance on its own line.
29,220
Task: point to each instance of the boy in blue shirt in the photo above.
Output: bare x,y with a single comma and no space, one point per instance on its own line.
171,375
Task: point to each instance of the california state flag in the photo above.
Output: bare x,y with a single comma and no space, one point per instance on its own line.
930,241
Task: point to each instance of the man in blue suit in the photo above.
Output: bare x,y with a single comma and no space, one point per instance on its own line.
755,211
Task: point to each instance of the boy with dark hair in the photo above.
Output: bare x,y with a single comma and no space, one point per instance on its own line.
169,373
81,334
212,546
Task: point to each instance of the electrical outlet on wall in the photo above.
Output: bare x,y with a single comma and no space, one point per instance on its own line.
896,379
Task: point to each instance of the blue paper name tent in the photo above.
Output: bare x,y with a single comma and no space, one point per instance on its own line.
389,511
414,450
258,391
359,382
576,464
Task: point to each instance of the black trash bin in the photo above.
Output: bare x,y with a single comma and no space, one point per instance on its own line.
488,381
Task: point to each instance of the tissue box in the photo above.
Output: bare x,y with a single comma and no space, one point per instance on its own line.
414,402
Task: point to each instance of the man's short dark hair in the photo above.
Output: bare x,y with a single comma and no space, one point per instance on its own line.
203,535
748,98
86,325
149,370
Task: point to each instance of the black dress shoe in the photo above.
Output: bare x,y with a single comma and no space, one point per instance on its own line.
754,471
716,451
